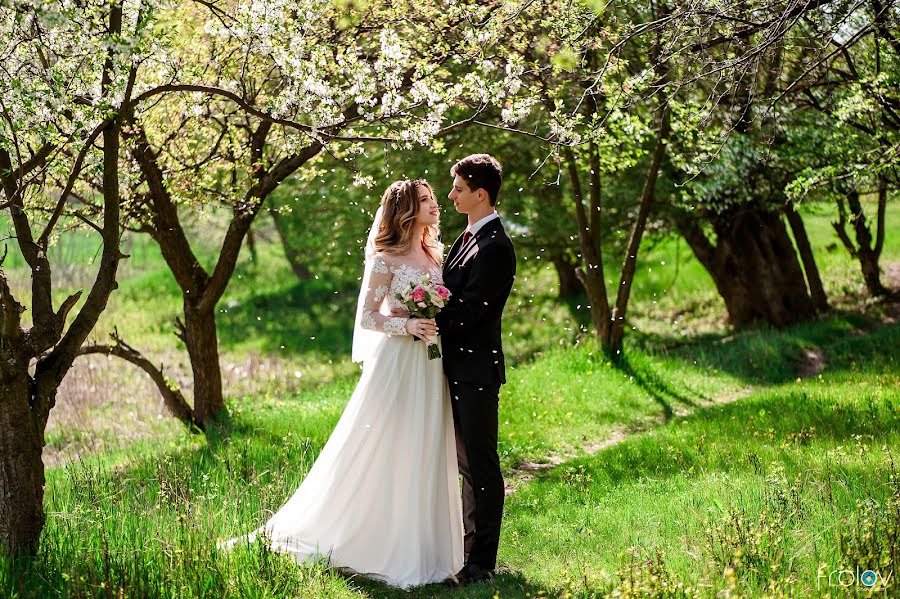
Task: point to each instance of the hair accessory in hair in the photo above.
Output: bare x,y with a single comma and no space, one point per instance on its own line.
397,193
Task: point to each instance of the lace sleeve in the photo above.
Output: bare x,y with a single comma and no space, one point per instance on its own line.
379,286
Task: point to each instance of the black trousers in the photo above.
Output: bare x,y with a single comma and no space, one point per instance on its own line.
475,418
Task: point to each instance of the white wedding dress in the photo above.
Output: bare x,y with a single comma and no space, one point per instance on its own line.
382,499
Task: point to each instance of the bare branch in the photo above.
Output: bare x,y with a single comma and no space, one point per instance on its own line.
172,397
748,31
70,182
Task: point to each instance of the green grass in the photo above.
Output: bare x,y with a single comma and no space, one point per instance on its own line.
765,486
779,475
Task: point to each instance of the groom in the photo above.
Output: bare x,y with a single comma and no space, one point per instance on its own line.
479,271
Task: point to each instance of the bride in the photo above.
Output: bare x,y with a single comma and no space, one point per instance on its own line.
382,499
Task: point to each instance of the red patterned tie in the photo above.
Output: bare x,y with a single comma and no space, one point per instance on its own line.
466,237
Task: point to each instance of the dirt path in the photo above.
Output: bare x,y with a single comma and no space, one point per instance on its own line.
526,471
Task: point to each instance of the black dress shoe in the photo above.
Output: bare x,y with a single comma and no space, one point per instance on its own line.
474,573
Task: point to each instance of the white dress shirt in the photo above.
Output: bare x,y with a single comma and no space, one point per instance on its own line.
474,228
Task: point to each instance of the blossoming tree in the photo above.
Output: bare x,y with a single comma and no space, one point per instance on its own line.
67,85
250,93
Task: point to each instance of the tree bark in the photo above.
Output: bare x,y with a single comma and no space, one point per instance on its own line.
813,280
293,256
754,266
617,331
199,335
22,471
864,251
568,278
592,277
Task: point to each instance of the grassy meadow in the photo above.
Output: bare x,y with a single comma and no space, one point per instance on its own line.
709,463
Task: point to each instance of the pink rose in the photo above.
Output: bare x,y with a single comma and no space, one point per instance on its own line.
418,294
443,291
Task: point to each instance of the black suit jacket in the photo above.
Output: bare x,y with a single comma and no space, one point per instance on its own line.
480,276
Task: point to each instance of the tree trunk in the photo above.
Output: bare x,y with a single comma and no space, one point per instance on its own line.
866,252
816,290
568,278
613,343
293,256
251,245
22,471
172,396
754,266
199,335
591,257
871,272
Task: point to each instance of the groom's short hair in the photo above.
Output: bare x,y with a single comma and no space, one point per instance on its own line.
481,171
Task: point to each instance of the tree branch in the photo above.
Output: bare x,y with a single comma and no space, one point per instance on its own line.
881,26
167,229
70,182
882,207
840,227
250,109
172,397
243,218
51,369
748,31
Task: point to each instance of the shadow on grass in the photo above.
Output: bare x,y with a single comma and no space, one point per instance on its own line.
306,317
761,355
505,584
768,422
654,384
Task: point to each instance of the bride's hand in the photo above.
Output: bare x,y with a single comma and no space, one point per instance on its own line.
399,313
423,328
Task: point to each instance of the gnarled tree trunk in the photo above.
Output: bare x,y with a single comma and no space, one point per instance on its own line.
754,266
21,468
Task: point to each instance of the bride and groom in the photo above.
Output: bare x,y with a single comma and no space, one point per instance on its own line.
383,497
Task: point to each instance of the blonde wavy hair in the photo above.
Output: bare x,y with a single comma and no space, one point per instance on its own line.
400,207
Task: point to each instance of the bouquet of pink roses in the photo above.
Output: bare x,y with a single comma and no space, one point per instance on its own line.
424,300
